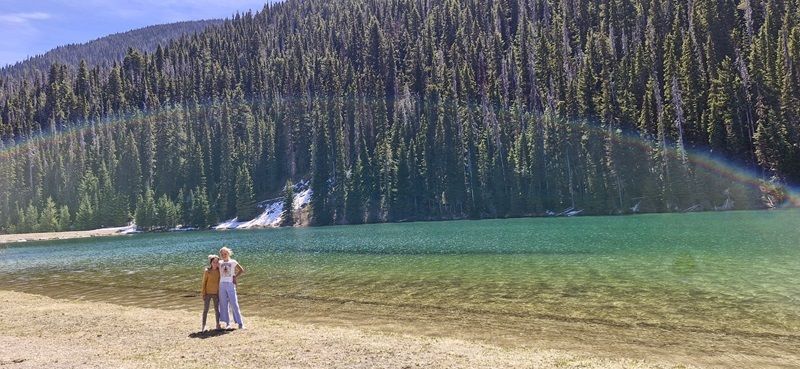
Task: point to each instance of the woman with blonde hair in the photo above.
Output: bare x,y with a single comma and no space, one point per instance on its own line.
229,271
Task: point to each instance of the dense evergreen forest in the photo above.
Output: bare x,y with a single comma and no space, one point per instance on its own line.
400,110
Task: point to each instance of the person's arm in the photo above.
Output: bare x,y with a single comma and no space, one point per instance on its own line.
203,288
239,271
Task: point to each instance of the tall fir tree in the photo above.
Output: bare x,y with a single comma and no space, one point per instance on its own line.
287,217
245,198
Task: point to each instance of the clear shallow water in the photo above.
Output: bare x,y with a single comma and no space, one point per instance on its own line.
733,273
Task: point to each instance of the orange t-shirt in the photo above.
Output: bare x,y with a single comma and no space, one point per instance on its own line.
210,282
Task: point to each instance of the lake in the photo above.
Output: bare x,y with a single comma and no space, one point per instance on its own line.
654,284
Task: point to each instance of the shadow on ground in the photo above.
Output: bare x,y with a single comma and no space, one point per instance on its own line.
211,333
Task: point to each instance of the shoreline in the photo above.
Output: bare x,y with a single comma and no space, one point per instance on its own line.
127,230
62,235
58,333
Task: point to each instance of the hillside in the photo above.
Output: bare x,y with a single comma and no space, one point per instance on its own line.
106,50
398,110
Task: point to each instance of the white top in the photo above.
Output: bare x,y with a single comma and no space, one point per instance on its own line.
227,269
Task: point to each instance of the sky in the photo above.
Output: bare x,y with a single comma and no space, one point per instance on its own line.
32,27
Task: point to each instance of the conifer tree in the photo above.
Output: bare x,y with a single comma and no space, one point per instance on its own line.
112,207
64,219
245,198
48,220
31,223
167,213
320,180
287,217
146,211
88,192
129,171
85,218
353,207
200,210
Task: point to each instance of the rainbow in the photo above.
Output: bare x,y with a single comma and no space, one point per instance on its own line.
709,164
715,165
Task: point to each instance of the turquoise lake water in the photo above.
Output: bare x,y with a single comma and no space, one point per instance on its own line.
732,273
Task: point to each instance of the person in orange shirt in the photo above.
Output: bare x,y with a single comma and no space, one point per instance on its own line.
210,289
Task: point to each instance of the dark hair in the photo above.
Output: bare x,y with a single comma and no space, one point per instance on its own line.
211,260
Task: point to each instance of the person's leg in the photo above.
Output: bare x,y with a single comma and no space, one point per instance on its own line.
216,308
237,316
206,300
223,303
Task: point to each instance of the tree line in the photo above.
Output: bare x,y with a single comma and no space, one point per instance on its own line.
103,51
412,110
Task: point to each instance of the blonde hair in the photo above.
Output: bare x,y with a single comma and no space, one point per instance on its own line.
225,248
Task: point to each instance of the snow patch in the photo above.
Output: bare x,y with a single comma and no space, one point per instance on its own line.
271,217
128,229
302,199
273,211
181,228
229,224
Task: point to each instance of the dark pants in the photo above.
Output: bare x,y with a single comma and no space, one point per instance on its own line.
206,300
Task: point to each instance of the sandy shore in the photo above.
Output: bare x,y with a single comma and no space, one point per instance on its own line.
47,236
40,332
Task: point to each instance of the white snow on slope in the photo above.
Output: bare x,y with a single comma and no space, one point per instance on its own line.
271,217
302,199
229,224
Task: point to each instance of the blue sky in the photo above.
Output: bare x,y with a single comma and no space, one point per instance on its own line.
31,27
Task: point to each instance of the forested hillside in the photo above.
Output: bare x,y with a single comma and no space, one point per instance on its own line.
105,50
417,109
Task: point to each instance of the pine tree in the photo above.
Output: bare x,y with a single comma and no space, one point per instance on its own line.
19,225
287,217
773,149
112,208
320,180
64,219
146,211
200,211
115,90
31,223
88,191
48,220
85,218
245,199
167,213
720,115
128,176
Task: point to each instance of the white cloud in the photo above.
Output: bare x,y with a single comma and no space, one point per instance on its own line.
20,30
29,27
22,18
161,11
